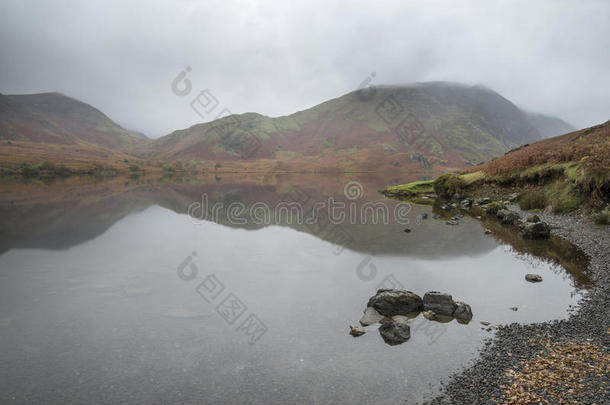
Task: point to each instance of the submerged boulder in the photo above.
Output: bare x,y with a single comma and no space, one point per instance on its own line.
389,302
439,303
537,230
396,331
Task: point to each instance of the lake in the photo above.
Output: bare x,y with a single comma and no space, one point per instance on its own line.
218,290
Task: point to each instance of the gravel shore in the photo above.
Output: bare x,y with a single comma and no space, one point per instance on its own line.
481,382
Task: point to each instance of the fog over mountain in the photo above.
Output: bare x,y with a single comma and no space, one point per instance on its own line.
277,58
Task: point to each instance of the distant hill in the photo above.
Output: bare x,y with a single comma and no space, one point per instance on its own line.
549,126
138,134
57,119
421,125
426,128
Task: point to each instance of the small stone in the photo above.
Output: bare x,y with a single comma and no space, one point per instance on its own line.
513,308
430,315
390,302
395,332
485,323
407,230
439,303
533,278
452,222
487,231
462,313
356,331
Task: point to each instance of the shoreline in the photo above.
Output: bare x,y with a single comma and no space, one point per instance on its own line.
481,380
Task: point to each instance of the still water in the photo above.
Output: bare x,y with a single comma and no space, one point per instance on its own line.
111,293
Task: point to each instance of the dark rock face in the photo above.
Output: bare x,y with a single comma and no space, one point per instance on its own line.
395,302
507,217
533,278
463,312
538,230
356,331
439,303
396,331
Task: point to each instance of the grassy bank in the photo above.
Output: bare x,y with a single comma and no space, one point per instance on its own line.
567,173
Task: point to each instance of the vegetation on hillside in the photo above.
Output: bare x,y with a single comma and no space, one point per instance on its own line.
562,172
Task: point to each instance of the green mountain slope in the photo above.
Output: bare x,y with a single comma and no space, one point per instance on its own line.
57,119
428,123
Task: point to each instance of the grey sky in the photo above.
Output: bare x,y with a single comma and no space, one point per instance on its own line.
278,57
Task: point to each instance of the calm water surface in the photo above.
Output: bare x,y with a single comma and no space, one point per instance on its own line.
92,308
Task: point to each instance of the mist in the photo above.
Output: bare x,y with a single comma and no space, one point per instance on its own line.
278,58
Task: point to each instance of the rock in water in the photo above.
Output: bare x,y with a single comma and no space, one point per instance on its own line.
439,303
462,313
370,317
533,278
396,331
407,230
430,315
507,217
452,222
395,302
356,331
538,230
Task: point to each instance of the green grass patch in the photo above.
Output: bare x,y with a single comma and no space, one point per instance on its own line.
448,185
470,178
563,196
411,189
534,199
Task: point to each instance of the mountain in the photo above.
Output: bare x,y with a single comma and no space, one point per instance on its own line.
425,128
549,126
443,125
57,119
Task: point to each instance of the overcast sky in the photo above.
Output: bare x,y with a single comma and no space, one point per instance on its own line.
277,57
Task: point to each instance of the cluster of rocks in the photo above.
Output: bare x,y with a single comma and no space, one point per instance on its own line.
392,309
531,228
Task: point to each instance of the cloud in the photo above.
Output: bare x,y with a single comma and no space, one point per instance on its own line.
279,57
